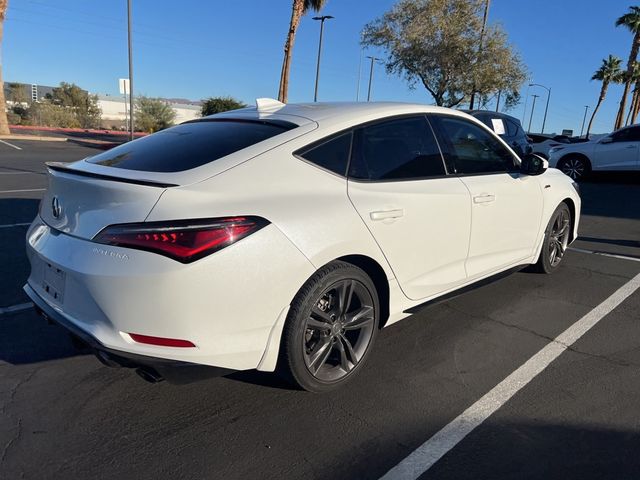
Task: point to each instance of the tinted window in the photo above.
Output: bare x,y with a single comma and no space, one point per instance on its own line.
403,148
512,128
473,149
189,145
332,154
631,134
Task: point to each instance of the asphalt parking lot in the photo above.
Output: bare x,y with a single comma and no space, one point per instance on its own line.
64,415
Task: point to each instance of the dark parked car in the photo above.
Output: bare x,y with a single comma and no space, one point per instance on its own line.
508,127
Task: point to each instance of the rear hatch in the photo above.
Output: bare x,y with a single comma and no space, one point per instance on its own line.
82,206
122,185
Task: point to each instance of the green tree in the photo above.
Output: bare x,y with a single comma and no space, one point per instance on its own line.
4,124
83,106
214,105
630,20
153,114
609,72
298,9
435,43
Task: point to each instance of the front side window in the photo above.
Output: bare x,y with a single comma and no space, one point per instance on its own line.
397,149
631,134
473,149
332,154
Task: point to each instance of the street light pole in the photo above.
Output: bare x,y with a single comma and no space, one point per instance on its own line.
322,19
544,120
533,107
131,114
484,26
359,75
373,59
586,107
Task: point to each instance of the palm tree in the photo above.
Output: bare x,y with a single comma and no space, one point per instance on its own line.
4,124
631,20
298,10
609,72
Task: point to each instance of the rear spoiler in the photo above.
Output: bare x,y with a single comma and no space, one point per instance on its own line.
62,167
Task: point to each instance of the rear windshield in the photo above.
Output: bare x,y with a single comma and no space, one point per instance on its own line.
190,145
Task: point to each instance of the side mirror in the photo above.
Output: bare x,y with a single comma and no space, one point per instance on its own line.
533,164
606,140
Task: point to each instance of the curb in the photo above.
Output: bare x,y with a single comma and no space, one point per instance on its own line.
33,138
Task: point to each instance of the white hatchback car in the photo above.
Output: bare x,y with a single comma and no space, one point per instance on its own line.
285,236
619,151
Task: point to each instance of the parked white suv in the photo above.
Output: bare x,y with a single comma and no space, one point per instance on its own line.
615,152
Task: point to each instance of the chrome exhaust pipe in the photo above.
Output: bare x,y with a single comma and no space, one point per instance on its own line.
149,375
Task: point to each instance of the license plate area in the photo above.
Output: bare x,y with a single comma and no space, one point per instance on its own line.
53,283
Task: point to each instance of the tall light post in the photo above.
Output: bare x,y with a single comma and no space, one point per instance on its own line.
533,107
484,26
586,107
322,19
544,120
373,60
359,74
131,114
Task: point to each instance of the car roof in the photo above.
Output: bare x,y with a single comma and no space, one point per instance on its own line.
493,114
324,112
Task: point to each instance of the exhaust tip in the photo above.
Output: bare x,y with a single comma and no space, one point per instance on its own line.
149,375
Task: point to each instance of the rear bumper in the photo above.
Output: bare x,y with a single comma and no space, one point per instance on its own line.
173,371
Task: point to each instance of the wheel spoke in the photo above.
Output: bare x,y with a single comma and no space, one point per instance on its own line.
344,356
320,315
351,354
344,296
359,319
320,355
317,324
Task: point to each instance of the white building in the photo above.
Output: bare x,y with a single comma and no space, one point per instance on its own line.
115,111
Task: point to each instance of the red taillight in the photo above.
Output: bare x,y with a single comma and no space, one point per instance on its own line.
160,341
183,240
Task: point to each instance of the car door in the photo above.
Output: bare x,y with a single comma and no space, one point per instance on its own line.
419,216
506,205
618,151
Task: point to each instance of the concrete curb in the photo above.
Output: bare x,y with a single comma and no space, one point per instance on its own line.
33,138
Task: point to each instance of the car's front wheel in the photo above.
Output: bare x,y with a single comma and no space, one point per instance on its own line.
330,328
556,240
576,167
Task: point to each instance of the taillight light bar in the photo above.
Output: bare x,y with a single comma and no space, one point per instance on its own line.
161,341
181,240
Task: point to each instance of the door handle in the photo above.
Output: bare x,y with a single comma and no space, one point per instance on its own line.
386,214
484,198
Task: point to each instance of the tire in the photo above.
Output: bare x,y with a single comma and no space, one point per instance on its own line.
575,166
325,343
556,240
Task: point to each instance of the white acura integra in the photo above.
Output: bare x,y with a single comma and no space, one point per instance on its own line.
285,236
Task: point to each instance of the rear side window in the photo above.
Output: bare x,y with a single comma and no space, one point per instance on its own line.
399,149
189,145
332,154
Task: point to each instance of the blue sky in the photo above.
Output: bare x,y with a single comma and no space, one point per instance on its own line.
194,49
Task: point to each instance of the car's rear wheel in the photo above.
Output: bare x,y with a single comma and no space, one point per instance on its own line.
556,240
575,166
330,328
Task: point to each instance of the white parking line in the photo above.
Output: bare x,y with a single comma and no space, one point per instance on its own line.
11,225
16,308
11,145
25,190
433,449
604,254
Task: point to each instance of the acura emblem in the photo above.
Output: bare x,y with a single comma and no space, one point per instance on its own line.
56,208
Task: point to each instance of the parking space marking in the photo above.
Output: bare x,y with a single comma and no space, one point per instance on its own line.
25,190
11,225
427,454
604,254
11,145
16,308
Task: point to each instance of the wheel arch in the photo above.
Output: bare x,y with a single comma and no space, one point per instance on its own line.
379,278
572,209
575,155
